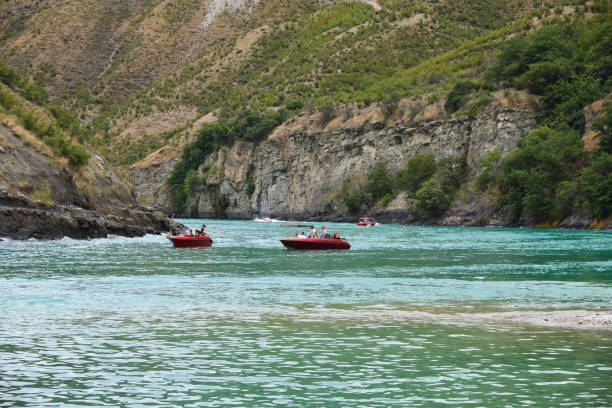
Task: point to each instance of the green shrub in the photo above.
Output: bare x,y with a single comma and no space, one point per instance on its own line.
539,76
383,202
379,182
389,104
532,173
568,63
603,125
7,74
328,110
563,102
458,95
350,196
431,200
419,168
596,183
489,165
191,181
7,100
76,154
29,120
451,172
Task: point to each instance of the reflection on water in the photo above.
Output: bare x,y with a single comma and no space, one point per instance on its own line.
248,323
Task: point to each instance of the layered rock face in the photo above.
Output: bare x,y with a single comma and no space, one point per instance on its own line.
42,197
298,174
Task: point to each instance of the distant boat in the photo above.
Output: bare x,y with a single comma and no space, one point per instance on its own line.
315,243
186,241
265,219
366,222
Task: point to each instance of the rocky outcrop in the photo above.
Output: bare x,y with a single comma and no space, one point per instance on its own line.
42,197
23,218
298,174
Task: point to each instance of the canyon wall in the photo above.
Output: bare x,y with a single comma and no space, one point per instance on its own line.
297,174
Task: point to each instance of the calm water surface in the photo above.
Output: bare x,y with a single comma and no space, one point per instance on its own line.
247,323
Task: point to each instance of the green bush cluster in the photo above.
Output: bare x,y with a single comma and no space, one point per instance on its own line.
458,95
350,196
596,178
531,175
49,133
248,125
419,168
490,166
570,65
432,184
436,193
379,183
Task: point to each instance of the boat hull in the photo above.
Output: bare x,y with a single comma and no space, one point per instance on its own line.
366,222
315,243
189,242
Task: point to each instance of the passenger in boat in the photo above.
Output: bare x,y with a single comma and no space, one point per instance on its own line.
302,236
203,231
191,233
323,233
312,233
336,235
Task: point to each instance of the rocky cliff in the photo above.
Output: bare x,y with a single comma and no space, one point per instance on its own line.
297,172
41,196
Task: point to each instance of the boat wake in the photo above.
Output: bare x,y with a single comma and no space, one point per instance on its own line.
266,219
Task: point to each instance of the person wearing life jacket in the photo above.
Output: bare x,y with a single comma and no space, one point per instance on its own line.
312,233
203,231
323,233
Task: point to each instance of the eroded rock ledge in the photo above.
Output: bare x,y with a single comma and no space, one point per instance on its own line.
23,218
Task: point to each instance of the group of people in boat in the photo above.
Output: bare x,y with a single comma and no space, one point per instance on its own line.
198,233
201,233
313,234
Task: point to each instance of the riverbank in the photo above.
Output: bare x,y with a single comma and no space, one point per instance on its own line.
23,218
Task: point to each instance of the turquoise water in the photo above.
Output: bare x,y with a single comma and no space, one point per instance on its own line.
247,323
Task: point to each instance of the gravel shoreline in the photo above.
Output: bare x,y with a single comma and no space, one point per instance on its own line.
573,319
569,319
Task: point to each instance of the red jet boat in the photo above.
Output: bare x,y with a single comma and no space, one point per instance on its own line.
185,241
315,243
366,222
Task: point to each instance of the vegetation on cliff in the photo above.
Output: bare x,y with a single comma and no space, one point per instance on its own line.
50,129
570,65
250,125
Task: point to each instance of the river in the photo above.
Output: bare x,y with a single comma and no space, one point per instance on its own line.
406,317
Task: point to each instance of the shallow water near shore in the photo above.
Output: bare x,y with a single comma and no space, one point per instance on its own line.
247,322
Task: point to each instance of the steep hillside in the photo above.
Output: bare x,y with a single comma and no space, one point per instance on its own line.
179,61
52,186
343,52
108,50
